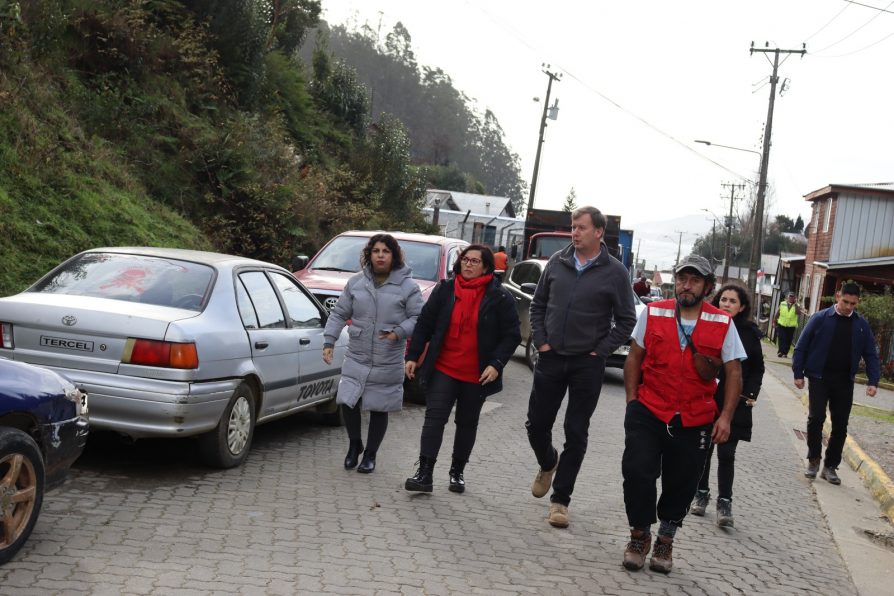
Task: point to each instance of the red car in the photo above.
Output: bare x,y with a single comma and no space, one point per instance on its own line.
430,257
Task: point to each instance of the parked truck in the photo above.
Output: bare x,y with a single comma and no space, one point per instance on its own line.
548,231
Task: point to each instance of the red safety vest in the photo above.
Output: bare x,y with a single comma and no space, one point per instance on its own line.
670,384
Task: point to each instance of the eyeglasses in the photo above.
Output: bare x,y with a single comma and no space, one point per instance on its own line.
470,261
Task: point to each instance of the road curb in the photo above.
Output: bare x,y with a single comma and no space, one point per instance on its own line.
873,476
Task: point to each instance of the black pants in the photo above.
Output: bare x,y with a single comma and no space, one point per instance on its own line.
784,337
838,393
378,424
726,469
581,376
652,449
444,391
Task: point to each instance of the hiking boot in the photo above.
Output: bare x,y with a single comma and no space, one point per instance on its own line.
813,466
661,560
724,513
831,475
701,503
422,480
558,515
543,481
457,482
635,553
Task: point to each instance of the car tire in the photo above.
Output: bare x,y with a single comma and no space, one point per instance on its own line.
531,353
22,476
227,445
414,392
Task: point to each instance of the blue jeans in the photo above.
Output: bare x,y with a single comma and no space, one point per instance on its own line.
581,376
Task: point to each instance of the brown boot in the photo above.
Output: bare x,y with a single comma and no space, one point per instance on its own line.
661,560
637,549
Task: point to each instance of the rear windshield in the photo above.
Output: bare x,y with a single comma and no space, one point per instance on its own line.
343,254
132,278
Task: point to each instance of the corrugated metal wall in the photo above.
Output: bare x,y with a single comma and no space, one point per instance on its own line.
864,227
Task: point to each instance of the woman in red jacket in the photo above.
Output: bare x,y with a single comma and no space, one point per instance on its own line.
471,327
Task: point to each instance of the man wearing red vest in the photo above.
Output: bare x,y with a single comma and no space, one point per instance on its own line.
671,408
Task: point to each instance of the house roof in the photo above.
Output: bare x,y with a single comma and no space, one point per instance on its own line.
880,188
870,262
464,201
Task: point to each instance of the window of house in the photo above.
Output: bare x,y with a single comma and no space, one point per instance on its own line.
814,221
828,217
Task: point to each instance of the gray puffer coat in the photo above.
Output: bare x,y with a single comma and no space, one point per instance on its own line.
374,367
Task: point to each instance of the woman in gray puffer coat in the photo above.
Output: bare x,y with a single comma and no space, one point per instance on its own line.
382,302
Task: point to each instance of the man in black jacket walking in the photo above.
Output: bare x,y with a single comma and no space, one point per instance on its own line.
582,291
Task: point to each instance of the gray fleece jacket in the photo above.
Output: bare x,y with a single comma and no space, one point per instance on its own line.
579,313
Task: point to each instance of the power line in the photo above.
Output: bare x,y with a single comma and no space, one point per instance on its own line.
869,6
846,6
849,35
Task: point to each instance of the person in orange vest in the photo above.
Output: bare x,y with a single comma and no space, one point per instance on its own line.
678,348
501,261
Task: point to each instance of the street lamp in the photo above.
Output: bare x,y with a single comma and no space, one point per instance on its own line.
758,236
551,112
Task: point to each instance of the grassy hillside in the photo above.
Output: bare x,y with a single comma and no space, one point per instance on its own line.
62,192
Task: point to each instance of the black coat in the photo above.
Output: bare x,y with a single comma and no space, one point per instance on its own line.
752,376
498,330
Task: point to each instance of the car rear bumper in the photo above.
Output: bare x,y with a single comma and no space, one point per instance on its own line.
140,407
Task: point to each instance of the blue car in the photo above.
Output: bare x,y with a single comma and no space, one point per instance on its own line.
43,430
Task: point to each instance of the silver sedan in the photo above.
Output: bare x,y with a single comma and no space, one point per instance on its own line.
177,343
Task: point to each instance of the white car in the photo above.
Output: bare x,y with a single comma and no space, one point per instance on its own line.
178,343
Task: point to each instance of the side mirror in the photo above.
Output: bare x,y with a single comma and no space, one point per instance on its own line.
299,262
528,288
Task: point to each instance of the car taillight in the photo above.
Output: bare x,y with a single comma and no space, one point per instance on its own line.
160,353
6,335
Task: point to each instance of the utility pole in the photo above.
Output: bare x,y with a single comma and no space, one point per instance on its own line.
549,86
679,245
757,241
729,226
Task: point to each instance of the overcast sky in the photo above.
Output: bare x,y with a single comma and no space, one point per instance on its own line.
643,79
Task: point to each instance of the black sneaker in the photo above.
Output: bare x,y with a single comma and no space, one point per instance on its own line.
831,475
724,513
701,503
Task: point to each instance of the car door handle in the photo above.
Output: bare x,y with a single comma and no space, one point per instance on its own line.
261,345
304,341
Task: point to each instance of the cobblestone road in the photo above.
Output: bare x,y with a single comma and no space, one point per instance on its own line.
149,520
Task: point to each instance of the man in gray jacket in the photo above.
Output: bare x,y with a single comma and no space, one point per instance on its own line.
582,291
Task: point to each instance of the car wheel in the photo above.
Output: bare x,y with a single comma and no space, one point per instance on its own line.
531,353
227,445
414,392
21,489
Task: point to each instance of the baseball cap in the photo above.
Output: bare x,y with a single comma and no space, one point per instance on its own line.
697,262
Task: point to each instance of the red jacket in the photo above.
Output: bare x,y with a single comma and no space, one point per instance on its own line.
670,384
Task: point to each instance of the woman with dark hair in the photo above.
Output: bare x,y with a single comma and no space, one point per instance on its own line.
471,328
733,298
382,302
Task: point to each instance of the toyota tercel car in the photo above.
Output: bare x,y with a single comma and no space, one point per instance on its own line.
178,343
43,430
